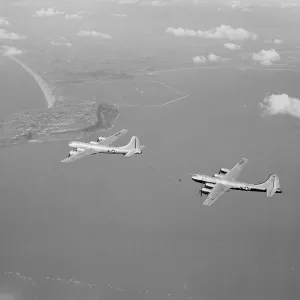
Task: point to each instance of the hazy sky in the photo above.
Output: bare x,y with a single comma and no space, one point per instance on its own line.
114,221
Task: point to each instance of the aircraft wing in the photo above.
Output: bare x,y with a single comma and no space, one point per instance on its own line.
111,139
79,155
218,190
236,170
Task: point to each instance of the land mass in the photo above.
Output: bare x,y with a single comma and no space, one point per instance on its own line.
66,121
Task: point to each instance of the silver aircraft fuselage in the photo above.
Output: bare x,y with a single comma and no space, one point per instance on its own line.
232,184
100,148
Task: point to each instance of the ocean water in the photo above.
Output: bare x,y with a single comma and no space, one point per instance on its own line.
135,232
18,91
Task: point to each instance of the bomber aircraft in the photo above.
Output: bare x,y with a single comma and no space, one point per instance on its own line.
103,145
225,180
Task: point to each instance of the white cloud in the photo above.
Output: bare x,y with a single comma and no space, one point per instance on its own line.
232,46
181,31
153,3
276,41
3,22
227,32
213,57
76,16
7,50
221,32
119,15
281,104
199,59
93,33
246,9
157,3
63,42
11,35
266,57
237,5
234,4
47,12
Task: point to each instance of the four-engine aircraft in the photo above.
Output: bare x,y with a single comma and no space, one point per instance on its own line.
214,186
103,145
217,185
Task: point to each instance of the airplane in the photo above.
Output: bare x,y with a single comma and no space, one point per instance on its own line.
103,145
225,180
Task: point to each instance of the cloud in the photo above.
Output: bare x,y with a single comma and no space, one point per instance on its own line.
199,59
213,57
7,50
181,31
276,41
11,35
221,32
153,3
76,16
93,33
232,46
237,5
280,104
227,32
119,15
47,13
266,57
234,4
61,44
3,22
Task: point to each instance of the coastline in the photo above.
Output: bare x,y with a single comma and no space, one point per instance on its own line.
39,80
101,124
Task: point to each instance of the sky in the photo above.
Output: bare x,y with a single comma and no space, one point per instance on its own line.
123,230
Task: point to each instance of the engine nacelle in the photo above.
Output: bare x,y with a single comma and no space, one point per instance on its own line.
209,185
218,175
101,139
205,191
224,170
80,149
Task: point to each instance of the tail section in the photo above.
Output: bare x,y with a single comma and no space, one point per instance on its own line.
134,144
272,185
133,147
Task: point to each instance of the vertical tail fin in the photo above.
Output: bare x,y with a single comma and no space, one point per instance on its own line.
272,185
134,144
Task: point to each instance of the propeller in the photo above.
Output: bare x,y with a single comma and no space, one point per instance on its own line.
200,193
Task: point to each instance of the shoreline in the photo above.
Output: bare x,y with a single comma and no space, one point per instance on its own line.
102,123
39,80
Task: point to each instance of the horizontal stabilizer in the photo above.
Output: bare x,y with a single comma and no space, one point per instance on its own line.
130,153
